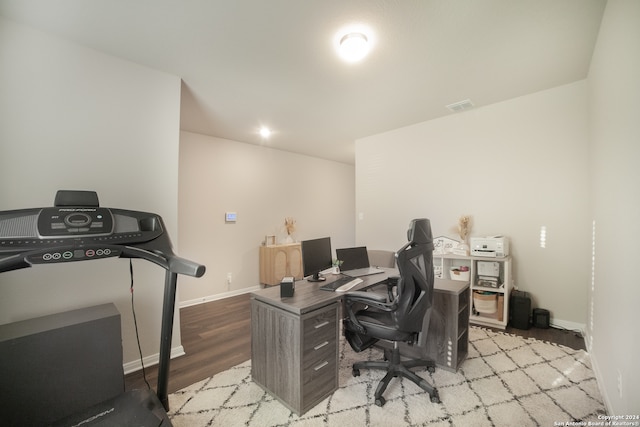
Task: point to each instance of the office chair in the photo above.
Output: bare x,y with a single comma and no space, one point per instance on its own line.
397,316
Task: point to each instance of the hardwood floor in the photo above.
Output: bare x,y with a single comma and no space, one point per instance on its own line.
567,338
217,335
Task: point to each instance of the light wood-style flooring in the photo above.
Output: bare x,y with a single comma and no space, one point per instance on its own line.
217,335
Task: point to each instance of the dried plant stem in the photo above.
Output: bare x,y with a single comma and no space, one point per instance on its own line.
464,226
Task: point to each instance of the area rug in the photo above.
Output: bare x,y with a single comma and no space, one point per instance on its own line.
506,380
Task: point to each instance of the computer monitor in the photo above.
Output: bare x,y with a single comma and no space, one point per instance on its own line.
316,257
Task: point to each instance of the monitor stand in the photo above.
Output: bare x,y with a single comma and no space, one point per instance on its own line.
316,278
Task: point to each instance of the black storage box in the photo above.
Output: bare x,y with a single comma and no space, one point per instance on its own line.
287,287
56,365
541,318
519,310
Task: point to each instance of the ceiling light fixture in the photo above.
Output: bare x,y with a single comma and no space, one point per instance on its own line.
265,132
354,46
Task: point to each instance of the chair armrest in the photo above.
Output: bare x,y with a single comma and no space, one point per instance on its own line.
369,299
365,297
392,283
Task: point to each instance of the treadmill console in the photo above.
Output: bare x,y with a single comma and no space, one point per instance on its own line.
75,233
74,221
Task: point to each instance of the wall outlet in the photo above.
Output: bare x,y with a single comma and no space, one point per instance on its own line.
229,277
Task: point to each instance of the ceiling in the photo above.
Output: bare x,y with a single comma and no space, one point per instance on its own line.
249,63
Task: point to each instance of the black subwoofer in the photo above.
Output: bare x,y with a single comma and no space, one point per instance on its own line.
541,318
519,310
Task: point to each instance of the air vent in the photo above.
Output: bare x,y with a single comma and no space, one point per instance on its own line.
460,105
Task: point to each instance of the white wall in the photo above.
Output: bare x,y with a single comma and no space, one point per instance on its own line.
514,167
614,86
74,118
263,186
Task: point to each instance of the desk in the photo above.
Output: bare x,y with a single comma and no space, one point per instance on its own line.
294,341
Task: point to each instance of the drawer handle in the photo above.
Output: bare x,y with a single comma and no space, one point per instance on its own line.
320,366
320,325
319,346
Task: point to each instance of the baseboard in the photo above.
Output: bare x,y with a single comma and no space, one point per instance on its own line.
598,374
588,342
571,326
151,360
217,297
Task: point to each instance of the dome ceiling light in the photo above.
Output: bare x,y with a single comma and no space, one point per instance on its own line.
354,46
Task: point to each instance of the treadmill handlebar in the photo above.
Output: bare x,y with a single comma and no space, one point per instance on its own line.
167,260
184,266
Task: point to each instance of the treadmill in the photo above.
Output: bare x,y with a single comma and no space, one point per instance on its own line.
76,228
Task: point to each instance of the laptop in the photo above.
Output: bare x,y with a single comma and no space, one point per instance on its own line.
355,262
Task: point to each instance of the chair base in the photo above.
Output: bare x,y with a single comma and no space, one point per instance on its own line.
395,367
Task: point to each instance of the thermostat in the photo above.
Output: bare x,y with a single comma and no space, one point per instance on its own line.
230,216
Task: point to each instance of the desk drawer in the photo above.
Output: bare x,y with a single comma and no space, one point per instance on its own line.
324,353
320,340
319,380
319,355
320,327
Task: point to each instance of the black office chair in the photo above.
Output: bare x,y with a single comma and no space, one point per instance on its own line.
398,315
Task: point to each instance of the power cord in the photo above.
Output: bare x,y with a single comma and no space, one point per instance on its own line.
135,323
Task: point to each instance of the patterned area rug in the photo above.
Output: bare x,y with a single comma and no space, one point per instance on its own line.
506,380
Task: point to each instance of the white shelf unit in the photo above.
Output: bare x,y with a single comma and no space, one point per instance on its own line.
443,263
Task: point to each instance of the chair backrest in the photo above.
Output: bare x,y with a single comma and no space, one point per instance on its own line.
415,287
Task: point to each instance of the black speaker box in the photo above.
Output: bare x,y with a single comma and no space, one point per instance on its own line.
287,287
541,318
519,310
56,365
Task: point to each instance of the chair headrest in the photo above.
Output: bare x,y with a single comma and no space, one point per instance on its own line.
420,232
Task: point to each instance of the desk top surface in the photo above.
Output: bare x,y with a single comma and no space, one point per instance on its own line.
308,296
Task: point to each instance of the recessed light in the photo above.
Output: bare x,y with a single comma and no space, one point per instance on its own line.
265,132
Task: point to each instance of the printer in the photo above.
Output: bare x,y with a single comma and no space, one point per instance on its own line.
492,246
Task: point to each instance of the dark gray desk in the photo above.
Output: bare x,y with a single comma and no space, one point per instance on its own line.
294,341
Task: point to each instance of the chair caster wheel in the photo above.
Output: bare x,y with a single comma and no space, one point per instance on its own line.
380,401
355,372
435,398
431,369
